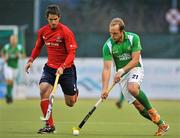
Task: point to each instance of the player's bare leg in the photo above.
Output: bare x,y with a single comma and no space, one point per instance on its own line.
145,108
141,109
71,100
120,101
141,97
45,90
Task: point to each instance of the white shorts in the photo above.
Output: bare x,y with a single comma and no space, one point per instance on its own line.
9,73
134,75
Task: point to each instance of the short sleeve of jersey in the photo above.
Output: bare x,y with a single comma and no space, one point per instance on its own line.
5,48
136,44
21,49
106,53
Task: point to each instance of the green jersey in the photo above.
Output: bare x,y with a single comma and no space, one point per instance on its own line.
122,53
12,54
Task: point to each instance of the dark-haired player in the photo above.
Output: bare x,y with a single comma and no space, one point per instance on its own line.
61,47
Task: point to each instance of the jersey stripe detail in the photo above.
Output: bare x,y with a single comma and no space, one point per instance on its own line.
130,37
109,46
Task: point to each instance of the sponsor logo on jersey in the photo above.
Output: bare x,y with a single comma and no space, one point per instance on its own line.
59,39
51,44
125,56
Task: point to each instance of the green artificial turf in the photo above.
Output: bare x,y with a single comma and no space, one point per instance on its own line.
21,120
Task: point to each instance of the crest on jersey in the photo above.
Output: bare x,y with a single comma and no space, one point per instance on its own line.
59,39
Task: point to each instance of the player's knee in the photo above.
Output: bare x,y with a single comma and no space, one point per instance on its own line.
133,89
70,103
43,92
71,100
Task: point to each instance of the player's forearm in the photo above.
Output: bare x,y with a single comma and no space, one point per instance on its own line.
35,53
69,60
36,50
133,63
105,78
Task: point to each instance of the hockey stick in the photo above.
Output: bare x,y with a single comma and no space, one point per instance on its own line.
91,111
51,100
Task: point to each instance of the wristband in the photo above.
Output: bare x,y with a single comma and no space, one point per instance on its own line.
121,71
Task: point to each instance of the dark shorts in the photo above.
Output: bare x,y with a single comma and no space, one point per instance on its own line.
68,80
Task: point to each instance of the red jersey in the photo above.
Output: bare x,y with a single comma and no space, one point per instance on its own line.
60,44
